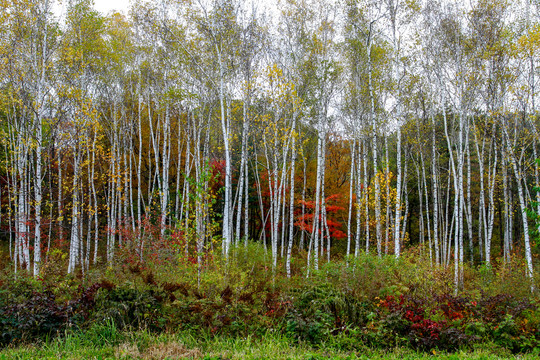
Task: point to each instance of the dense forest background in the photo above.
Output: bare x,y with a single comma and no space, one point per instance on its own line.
315,127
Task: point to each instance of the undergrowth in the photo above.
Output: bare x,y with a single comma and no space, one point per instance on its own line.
346,307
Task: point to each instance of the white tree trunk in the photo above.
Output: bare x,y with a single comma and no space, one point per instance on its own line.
435,197
351,186
225,128
166,154
75,241
397,222
492,172
318,184
523,208
387,186
359,194
291,203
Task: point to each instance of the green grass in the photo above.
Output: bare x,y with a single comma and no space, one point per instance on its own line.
105,342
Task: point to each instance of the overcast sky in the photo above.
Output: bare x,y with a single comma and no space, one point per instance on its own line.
104,6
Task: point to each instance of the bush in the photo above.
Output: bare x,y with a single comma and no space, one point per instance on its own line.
38,317
371,301
126,306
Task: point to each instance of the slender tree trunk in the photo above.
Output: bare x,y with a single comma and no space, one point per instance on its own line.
303,213
523,208
246,205
94,195
318,191
60,198
351,183
75,241
405,195
482,218
426,194
507,223
435,197
366,195
422,230
374,127
491,208
387,186
291,203
38,193
166,154
179,147
359,197
243,164
225,128
139,164
469,201
397,234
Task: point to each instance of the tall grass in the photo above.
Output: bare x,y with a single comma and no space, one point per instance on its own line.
144,345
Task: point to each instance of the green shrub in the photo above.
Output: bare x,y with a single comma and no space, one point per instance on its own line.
126,306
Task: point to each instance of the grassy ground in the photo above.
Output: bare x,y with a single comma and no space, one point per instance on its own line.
104,342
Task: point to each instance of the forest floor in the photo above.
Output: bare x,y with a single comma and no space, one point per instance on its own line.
240,308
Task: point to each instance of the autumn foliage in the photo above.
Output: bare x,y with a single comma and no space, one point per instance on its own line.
305,222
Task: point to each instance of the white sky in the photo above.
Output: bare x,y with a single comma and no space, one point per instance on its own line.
104,6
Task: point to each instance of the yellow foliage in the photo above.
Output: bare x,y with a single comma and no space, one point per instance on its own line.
529,43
